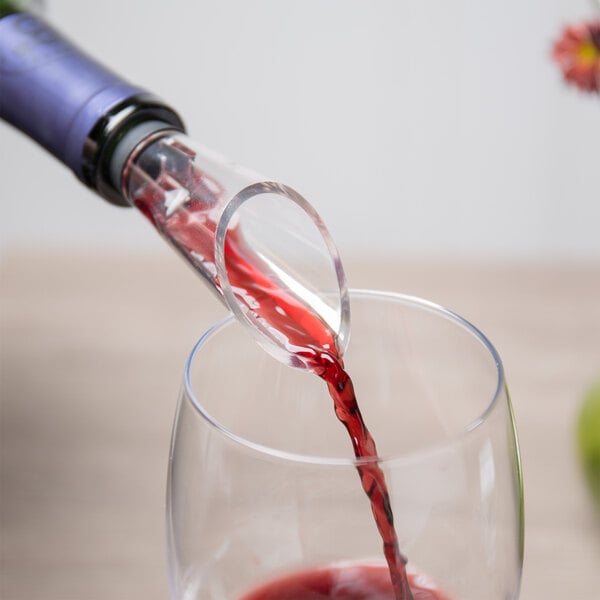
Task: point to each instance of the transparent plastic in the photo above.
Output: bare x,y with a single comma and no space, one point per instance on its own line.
263,483
258,244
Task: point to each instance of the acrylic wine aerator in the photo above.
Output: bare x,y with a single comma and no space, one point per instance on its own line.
257,243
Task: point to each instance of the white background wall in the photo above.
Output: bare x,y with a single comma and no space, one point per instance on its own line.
417,128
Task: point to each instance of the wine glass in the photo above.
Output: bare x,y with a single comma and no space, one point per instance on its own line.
263,493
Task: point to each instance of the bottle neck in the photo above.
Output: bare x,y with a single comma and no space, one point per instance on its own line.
66,101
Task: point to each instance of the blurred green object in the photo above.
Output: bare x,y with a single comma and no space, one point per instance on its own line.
588,438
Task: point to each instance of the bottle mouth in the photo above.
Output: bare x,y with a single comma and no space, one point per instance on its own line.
116,135
281,274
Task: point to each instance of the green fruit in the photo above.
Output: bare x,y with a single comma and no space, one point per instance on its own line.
588,438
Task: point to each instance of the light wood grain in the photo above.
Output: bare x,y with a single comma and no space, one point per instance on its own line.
92,351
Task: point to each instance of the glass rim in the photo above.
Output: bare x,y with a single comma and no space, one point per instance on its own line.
295,457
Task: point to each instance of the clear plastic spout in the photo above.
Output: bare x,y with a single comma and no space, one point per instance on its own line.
258,244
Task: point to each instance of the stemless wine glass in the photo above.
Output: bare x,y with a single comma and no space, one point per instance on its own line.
263,484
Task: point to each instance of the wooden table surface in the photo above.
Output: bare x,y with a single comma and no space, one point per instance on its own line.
92,352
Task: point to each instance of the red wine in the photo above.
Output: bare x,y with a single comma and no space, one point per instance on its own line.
372,479
191,227
342,582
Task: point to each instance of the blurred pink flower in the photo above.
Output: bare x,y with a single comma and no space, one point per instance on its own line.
577,52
